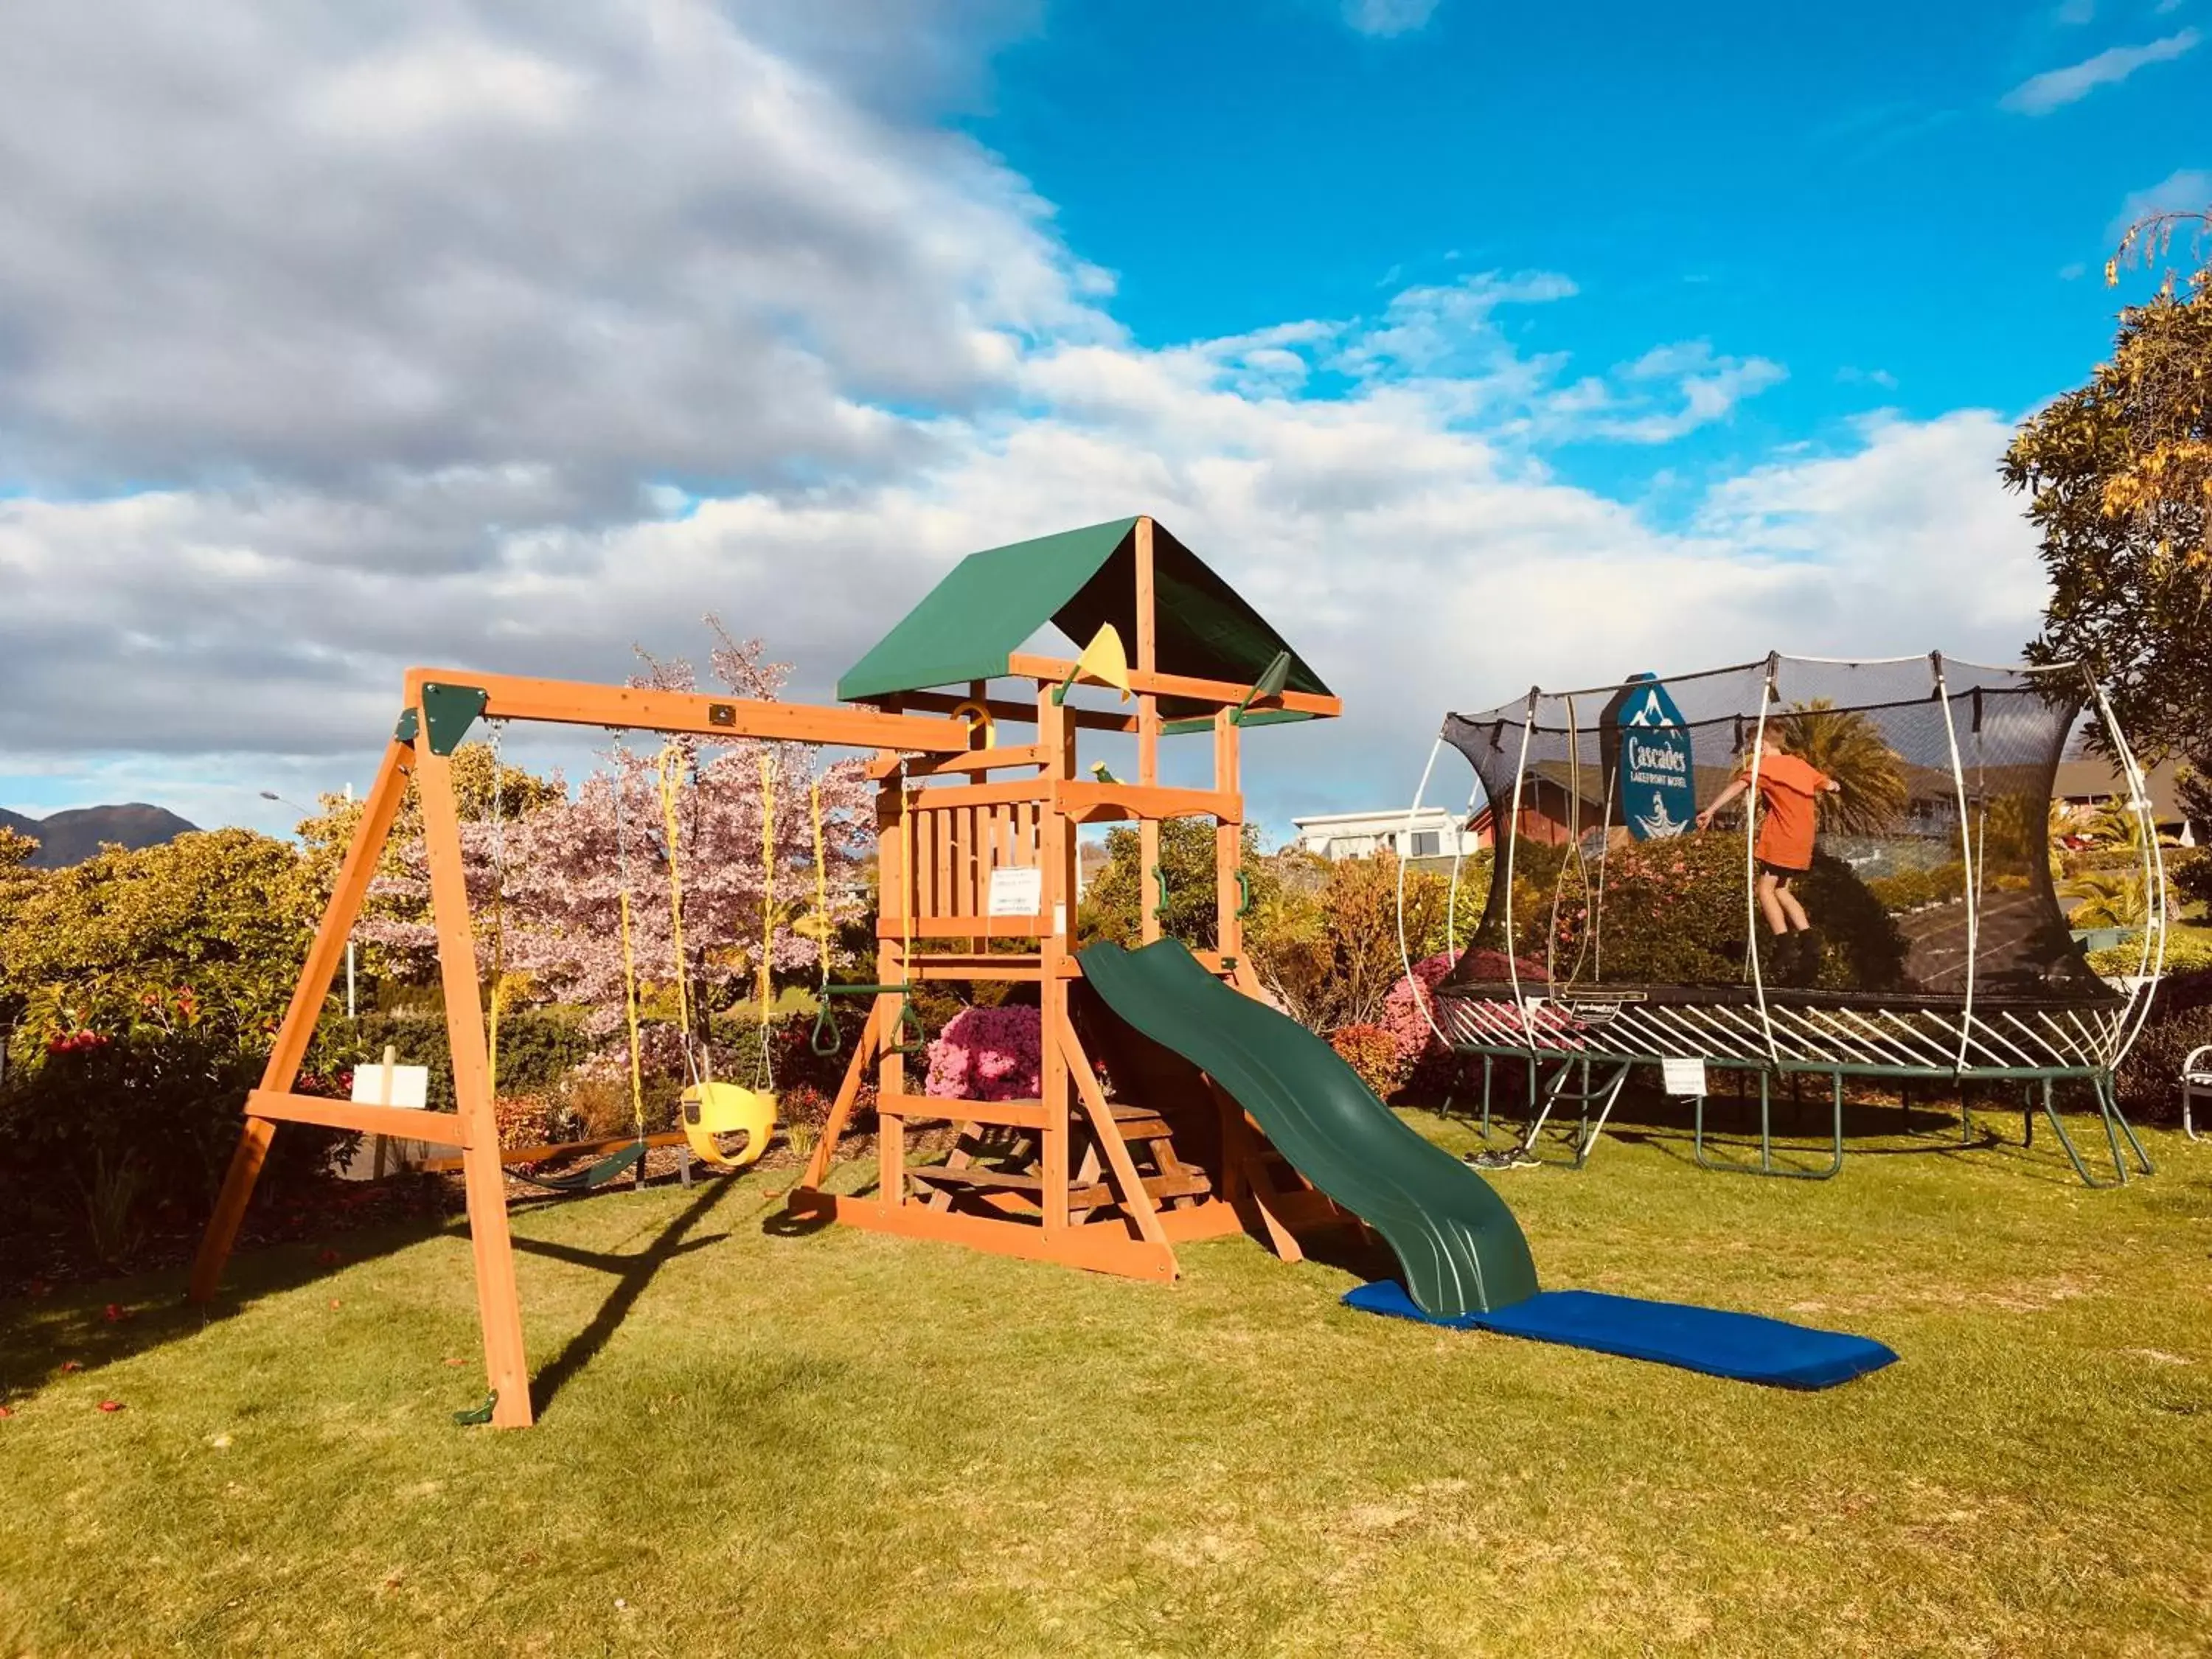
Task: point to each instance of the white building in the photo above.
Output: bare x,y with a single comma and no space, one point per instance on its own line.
1433,832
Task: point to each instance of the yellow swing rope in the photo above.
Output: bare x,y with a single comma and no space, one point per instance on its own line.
821,879
767,1072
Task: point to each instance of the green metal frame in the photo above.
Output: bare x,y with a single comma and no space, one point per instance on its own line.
2118,1129
1586,1132
448,711
915,1042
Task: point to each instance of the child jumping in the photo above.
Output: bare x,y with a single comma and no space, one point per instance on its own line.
1790,789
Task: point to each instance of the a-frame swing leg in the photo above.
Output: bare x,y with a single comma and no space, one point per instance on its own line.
499,1305
825,1149
380,807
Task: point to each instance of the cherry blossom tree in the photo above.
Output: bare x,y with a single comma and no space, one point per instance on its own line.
546,882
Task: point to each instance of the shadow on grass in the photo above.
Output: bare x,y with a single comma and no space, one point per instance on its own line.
1353,1251
633,1270
95,1323
86,1325
1802,1121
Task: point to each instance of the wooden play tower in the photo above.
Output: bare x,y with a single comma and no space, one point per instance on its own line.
1071,1177
978,846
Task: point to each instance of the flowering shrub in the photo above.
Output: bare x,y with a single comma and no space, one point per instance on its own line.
803,1106
1372,1052
522,1120
1403,1015
988,1054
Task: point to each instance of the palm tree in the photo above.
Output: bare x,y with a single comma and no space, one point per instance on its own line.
2119,827
2108,899
1847,746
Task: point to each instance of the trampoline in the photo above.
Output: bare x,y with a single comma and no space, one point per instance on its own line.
1617,933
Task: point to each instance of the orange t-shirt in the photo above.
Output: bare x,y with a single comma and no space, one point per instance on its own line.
1789,789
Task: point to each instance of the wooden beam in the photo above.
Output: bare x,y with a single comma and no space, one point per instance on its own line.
439,1128
1056,864
1051,671
1007,791
1212,1219
1228,839
1100,1248
897,887
978,761
856,1071
1090,802
499,1302
575,702
1135,1199
1004,710
889,927
378,811
510,1155
1006,1114
1148,739
1241,1146
1023,969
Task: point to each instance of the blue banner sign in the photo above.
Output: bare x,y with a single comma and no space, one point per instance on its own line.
1651,749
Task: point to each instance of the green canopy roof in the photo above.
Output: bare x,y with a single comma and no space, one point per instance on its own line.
966,626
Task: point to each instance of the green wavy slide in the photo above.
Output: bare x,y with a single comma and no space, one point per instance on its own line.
1462,1249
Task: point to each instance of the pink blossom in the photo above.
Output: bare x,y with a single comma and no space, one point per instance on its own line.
988,1054
568,864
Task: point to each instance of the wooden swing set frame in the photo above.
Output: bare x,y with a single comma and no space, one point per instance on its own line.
1081,1199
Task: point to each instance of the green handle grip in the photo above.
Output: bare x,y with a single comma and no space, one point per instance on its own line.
1160,876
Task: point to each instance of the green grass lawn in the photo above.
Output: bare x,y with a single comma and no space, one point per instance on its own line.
757,1443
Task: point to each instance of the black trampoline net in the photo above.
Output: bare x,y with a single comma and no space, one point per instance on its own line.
1931,861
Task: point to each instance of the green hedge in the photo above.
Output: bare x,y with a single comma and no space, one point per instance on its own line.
2187,950
537,1047
1909,889
1676,913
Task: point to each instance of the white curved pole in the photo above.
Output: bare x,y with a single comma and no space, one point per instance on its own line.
2152,962
1966,857
1405,952
1513,838
1751,866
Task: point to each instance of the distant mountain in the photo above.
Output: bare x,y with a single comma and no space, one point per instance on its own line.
73,836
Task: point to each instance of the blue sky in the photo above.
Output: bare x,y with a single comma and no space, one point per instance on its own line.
1478,345
1841,190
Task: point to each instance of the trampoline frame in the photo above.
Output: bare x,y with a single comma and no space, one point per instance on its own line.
1963,1040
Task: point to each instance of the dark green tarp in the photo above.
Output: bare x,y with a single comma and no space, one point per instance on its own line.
991,603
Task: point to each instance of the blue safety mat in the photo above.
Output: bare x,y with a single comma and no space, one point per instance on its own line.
1745,1347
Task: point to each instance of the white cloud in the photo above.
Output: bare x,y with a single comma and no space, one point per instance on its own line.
599,242
1387,17
1709,388
2075,13
2054,88
572,333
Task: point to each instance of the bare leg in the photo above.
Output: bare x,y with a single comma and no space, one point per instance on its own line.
1770,901
1791,908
